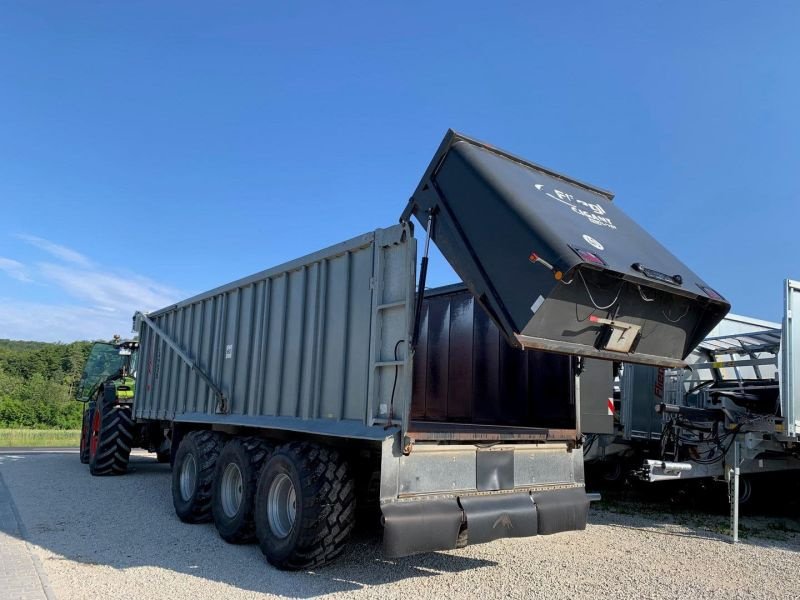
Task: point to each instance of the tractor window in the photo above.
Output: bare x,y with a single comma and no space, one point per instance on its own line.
103,362
134,362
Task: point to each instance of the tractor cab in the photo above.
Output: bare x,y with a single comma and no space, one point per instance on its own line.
107,387
113,361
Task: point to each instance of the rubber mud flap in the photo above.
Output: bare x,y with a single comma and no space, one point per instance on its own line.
499,516
562,510
420,526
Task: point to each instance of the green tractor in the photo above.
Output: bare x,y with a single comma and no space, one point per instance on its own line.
109,431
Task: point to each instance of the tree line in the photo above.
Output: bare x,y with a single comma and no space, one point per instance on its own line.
38,384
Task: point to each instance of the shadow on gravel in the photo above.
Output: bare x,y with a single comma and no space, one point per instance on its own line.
128,522
697,509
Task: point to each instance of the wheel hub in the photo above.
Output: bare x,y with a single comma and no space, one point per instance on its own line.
188,477
281,506
95,433
231,490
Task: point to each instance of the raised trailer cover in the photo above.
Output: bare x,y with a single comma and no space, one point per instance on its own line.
556,264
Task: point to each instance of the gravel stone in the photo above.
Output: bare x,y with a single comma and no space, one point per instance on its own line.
146,552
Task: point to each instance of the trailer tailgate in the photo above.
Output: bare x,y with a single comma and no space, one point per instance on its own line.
556,264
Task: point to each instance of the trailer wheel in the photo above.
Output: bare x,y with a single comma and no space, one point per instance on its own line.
110,438
745,491
86,430
304,506
193,475
235,482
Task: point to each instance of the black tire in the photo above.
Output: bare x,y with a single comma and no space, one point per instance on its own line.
239,464
193,502
86,432
111,437
324,516
163,457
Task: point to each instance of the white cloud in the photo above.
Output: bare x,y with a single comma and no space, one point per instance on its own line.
99,301
15,269
20,320
57,250
109,291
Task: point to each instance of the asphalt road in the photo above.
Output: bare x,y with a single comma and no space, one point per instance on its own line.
117,537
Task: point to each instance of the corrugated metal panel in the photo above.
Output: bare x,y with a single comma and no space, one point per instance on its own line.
306,340
465,370
790,363
735,324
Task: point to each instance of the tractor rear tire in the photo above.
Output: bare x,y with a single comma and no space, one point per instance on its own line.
304,506
111,435
86,432
193,475
235,482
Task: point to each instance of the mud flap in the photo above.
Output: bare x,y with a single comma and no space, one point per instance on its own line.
429,525
421,526
562,510
494,517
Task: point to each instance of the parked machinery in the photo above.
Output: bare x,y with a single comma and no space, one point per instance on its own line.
734,407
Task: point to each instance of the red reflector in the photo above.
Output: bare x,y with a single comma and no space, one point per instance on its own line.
589,257
710,292
593,319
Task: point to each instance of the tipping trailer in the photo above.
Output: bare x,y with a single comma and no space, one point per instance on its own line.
293,396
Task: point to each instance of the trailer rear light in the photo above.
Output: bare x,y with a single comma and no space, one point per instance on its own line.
589,257
710,292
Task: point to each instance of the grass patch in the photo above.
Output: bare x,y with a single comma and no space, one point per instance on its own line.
28,438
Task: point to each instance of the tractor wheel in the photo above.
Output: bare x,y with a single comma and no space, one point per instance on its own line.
86,431
110,438
193,475
304,506
235,482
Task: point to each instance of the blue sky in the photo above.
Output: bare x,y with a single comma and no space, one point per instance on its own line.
152,150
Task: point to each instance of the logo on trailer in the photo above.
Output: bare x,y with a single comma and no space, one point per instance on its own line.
591,211
504,521
593,242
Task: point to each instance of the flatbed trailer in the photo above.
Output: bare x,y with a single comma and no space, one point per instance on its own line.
293,397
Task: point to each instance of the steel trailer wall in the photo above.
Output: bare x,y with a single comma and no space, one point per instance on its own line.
790,361
306,345
466,371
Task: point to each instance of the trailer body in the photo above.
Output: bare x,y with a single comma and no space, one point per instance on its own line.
320,347
333,363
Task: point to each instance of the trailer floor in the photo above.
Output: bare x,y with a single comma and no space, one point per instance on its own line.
117,537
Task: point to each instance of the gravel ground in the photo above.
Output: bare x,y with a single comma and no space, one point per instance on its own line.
119,538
